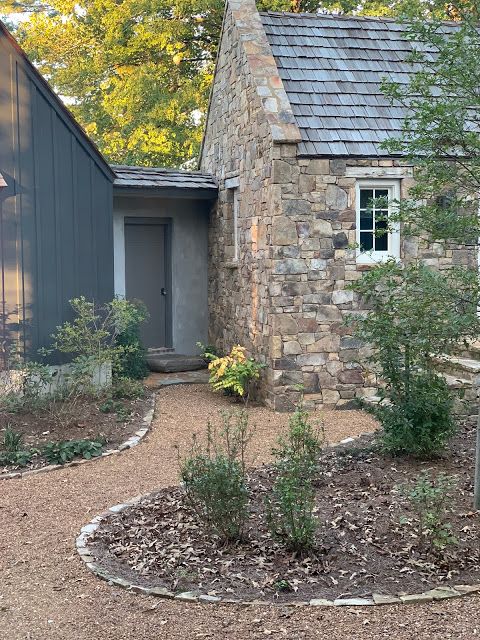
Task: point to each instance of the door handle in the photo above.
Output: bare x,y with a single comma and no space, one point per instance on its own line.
163,291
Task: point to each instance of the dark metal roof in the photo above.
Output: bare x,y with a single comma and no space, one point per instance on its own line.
170,180
332,68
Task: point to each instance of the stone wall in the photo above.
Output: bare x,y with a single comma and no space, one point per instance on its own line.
313,264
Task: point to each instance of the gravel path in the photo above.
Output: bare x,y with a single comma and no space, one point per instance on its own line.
46,592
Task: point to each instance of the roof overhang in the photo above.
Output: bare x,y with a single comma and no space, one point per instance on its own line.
163,183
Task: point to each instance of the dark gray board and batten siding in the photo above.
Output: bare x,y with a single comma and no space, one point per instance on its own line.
55,212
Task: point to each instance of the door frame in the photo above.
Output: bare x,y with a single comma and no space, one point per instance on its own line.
167,223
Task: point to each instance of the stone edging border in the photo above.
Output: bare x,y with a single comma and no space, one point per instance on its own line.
132,441
81,543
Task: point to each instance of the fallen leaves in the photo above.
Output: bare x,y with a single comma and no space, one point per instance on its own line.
361,545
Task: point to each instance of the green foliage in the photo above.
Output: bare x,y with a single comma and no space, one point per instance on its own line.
419,421
137,73
25,389
430,500
415,313
94,337
290,508
214,477
209,352
66,450
440,134
234,373
12,452
133,363
127,388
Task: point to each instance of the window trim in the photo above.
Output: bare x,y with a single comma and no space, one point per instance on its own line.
236,216
373,257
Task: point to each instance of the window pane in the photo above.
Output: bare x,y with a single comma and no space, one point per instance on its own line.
366,219
381,193
381,219
366,241
365,196
381,242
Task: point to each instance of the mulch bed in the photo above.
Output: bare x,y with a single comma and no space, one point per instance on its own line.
86,422
361,546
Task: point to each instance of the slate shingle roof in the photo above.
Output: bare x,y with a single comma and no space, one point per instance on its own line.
153,177
332,68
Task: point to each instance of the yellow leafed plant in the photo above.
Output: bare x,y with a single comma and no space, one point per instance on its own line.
234,372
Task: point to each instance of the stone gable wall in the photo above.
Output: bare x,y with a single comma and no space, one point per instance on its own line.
249,111
238,143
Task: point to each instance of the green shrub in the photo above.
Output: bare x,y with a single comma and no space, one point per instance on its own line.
290,507
132,364
430,500
102,334
13,452
214,477
65,451
127,388
419,421
414,315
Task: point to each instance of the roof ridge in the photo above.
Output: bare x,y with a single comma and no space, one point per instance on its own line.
127,167
338,16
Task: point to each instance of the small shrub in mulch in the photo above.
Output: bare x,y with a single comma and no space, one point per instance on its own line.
56,431
368,535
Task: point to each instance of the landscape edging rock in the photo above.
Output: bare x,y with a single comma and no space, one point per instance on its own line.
377,599
131,442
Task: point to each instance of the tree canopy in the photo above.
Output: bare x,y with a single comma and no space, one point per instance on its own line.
137,73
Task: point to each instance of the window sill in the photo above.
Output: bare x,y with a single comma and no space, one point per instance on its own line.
371,260
232,264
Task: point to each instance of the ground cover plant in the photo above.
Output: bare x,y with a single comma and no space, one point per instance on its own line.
58,414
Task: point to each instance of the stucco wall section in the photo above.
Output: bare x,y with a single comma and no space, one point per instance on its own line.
189,262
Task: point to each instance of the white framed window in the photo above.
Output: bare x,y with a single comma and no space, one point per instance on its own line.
375,200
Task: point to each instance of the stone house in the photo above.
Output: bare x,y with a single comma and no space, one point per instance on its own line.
255,247
293,137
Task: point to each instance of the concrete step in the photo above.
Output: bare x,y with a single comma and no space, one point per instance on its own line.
174,363
159,351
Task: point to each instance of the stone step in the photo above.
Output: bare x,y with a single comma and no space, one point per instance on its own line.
472,351
153,351
174,363
457,367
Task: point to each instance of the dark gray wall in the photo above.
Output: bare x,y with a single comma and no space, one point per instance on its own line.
56,212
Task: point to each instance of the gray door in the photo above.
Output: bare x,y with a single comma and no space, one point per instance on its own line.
146,254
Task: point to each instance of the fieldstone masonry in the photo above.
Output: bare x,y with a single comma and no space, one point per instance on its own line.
285,298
